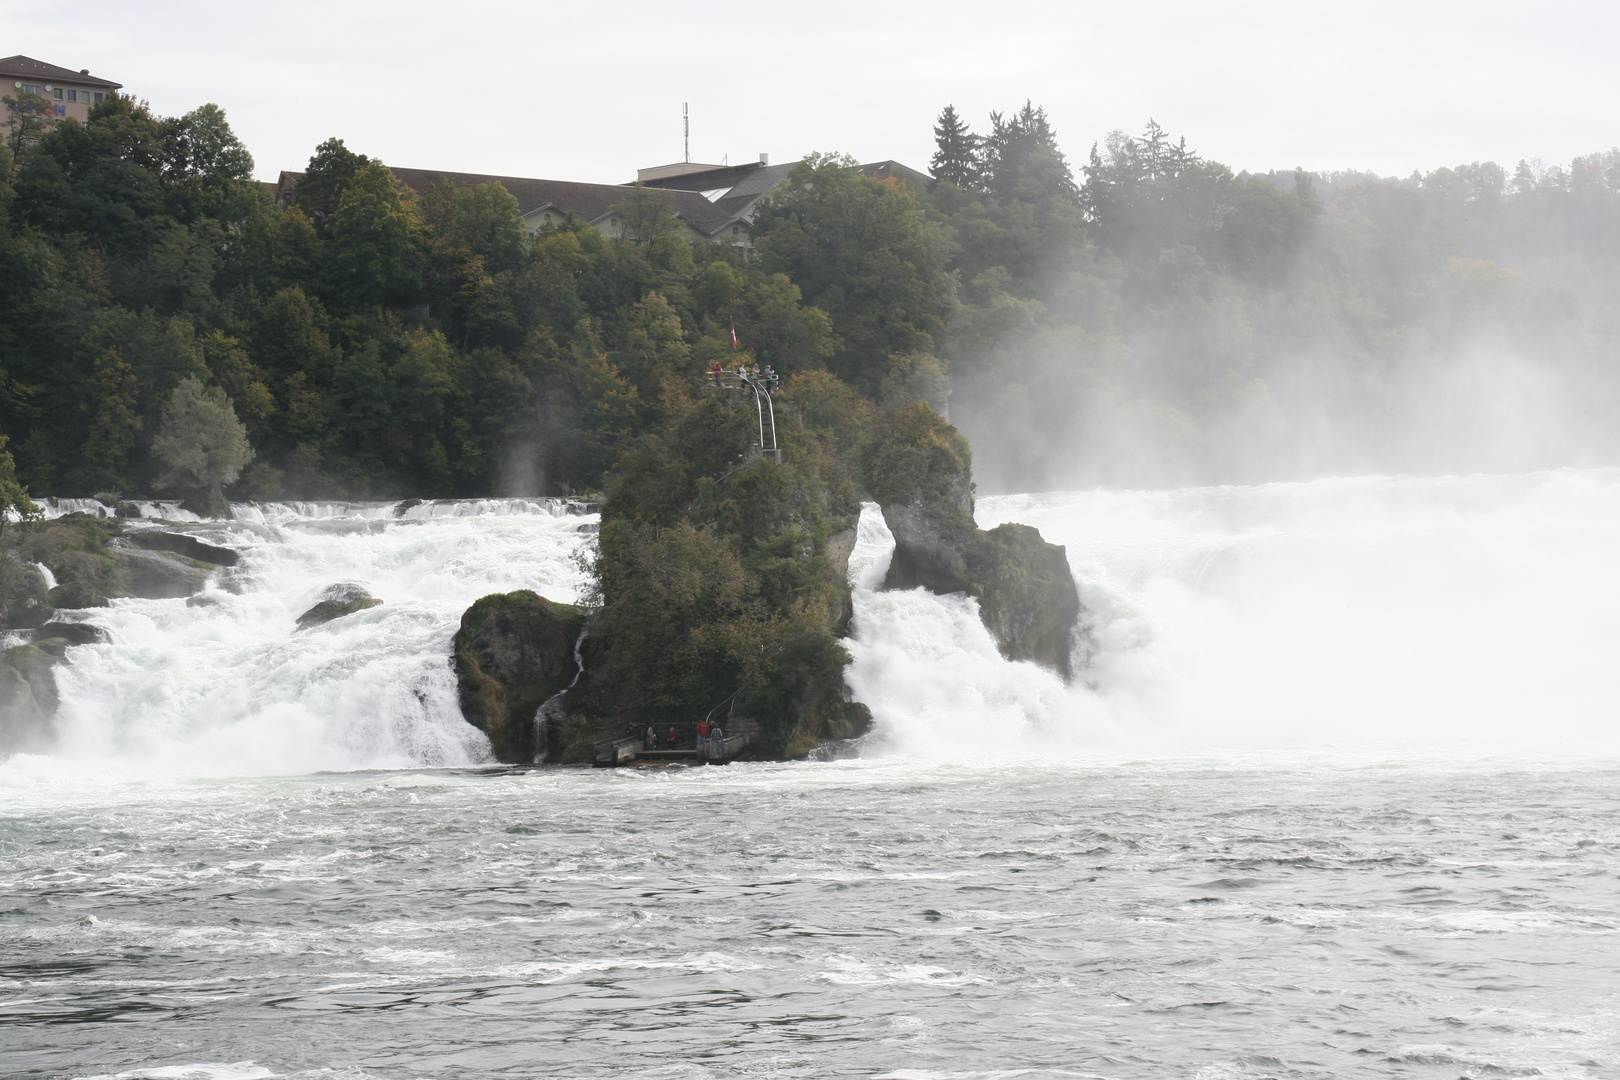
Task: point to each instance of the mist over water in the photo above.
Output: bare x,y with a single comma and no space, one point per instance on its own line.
1450,615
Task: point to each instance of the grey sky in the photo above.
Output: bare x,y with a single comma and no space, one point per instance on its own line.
591,91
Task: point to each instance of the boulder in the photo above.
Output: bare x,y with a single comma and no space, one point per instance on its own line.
158,575
919,469
24,600
86,579
344,598
1026,593
513,651
72,633
28,697
840,545
183,544
95,560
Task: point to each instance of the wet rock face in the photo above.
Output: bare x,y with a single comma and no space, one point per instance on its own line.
158,575
513,651
920,471
72,633
1026,594
344,598
95,560
183,544
28,696
24,600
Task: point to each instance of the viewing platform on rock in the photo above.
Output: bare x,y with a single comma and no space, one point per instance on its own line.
687,749
756,384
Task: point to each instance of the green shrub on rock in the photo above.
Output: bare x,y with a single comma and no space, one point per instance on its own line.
722,578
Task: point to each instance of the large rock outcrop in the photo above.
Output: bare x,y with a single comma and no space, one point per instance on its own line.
25,602
28,696
96,560
920,471
513,651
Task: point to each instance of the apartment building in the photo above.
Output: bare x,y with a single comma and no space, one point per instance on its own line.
67,94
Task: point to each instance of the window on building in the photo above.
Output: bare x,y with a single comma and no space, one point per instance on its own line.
29,89
73,95
57,93
98,97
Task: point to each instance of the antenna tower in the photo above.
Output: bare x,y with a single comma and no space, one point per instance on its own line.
686,132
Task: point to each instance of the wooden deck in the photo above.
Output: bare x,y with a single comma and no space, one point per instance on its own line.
615,753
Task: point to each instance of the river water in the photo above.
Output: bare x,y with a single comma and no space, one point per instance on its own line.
1336,797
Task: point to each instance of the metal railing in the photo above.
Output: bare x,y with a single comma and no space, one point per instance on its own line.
760,387
687,746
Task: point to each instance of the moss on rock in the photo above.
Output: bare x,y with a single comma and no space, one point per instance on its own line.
512,652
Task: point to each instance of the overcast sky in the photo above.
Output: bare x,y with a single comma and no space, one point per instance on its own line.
592,91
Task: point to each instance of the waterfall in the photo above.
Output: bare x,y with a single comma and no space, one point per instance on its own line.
1452,613
221,684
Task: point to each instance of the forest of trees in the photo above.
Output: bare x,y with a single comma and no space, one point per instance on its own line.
1160,319
1151,317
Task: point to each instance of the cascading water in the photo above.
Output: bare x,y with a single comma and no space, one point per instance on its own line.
224,684
1474,613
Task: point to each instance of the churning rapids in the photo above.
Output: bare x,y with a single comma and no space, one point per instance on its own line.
1334,797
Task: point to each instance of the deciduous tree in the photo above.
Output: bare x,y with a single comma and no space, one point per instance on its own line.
201,443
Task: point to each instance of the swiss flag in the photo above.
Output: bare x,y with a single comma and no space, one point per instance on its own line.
734,335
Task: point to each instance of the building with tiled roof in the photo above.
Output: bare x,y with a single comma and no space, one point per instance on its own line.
67,94
739,189
709,202
548,202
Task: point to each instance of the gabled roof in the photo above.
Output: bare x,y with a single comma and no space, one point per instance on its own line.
26,67
741,187
593,202
893,170
590,201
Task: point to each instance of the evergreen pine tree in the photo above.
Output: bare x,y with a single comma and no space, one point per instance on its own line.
957,159
1021,160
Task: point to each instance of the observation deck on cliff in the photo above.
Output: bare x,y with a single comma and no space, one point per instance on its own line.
751,384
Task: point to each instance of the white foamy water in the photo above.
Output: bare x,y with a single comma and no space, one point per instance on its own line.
1453,615
225,683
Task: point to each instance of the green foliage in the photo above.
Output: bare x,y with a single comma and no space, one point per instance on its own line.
956,157
201,443
913,452
646,216
14,498
865,252
376,251
721,576
28,118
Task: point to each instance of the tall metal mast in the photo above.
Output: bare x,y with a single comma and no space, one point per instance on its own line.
686,132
